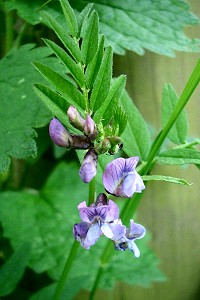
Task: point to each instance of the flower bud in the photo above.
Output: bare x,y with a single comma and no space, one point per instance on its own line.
80,141
75,118
89,128
89,166
59,134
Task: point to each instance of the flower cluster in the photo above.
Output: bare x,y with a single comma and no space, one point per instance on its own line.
120,179
102,218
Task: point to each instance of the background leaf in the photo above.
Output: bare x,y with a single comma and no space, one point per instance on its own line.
178,132
20,110
12,271
129,25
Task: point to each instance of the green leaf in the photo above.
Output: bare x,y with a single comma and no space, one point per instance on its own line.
63,86
153,25
55,103
105,112
136,137
89,35
179,157
83,15
134,25
70,17
102,82
93,67
20,110
74,69
120,119
70,44
12,270
165,178
178,132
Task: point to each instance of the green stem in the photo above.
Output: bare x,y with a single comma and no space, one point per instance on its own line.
9,30
184,98
131,205
21,34
65,273
92,193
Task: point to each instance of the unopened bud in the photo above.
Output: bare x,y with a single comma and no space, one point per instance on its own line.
89,128
80,141
75,118
59,134
89,166
103,146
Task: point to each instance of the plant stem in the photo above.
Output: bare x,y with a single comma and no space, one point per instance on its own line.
92,193
131,204
65,273
9,30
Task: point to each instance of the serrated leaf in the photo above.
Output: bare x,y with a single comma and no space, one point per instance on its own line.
63,86
178,132
136,137
93,67
74,69
139,25
12,270
179,157
89,35
131,25
102,83
70,44
70,17
165,178
20,110
55,103
105,112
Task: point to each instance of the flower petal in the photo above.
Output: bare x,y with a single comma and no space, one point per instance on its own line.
134,248
59,134
93,235
136,231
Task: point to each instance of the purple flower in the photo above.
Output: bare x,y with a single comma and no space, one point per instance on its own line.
96,221
121,179
124,237
59,134
88,168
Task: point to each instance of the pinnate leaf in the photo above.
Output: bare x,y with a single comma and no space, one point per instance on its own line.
179,157
165,178
136,137
89,35
70,17
178,132
102,83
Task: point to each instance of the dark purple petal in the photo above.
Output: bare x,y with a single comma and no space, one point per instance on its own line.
59,134
89,166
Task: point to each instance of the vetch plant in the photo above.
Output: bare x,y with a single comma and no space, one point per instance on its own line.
90,116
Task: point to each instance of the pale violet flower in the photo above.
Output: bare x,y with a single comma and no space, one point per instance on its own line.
59,134
96,221
121,179
124,238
